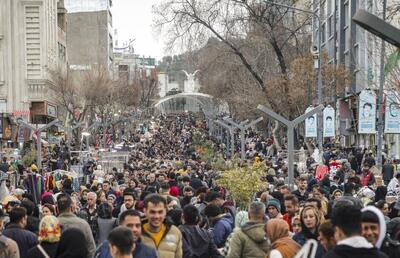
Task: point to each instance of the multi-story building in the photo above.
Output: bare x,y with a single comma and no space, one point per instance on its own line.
90,34
359,51
32,44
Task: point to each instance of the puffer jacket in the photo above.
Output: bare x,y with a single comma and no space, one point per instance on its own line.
249,242
170,245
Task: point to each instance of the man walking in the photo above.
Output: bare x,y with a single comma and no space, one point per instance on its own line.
68,219
249,241
130,219
157,233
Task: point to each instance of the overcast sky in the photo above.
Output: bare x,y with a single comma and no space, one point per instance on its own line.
133,19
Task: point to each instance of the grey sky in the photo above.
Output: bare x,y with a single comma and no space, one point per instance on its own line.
133,19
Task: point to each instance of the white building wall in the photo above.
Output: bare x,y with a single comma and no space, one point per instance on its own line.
75,6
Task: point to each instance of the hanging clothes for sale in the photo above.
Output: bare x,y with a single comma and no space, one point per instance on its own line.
34,184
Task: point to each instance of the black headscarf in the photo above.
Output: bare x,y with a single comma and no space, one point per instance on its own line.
72,245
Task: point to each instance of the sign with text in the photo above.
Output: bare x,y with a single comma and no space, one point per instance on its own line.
329,121
367,112
392,113
311,124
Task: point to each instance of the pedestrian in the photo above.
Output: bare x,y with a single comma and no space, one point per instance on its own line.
249,240
282,245
49,236
274,209
8,247
350,243
71,244
105,221
17,232
89,211
327,235
69,220
121,242
196,242
222,224
310,218
48,209
131,220
292,209
157,233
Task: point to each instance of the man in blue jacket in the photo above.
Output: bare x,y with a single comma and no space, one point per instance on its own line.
222,223
130,219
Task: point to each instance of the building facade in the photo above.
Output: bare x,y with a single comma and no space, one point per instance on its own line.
32,44
359,51
90,34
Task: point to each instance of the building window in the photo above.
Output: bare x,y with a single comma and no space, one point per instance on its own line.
61,52
329,23
323,33
346,14
356,56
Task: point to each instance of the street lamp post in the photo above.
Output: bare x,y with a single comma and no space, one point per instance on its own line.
290,134
38,132
319,75
243,126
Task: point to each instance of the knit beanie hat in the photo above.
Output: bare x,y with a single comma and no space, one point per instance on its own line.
49,229
275,203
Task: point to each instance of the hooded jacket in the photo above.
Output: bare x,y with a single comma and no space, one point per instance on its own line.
222,229
249,242
354,247
198,242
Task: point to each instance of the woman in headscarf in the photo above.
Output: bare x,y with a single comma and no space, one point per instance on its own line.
71,244
283,246
49,236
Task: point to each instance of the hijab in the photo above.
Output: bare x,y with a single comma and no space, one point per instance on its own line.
49,229
278,234
71,244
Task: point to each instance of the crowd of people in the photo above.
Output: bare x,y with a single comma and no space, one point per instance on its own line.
165,202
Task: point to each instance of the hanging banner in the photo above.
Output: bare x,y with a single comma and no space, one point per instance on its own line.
311,124
367,112
392,113
329,121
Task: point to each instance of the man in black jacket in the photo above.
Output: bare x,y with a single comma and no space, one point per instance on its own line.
197,242
350,243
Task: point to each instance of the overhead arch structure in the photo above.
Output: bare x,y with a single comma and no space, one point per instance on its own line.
191,102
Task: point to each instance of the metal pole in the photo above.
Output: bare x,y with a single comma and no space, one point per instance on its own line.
242,143
232,142
290,134
39,149
319,86
380,98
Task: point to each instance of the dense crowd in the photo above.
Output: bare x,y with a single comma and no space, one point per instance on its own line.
165,202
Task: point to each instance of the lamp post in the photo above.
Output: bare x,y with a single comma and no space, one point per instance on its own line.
290,134
38,132
243,126
319,75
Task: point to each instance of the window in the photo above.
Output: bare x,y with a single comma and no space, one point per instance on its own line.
61,52
323,33
329,23
346,14
356,56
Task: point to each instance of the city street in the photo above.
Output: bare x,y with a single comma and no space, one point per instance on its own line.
199,129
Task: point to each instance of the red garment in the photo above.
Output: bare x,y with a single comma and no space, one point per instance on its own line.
174,191
320,172
288,219
365,179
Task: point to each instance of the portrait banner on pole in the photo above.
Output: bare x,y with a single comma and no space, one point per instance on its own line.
367,112
311,124
392,113
329,121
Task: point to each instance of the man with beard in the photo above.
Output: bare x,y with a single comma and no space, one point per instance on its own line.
131,220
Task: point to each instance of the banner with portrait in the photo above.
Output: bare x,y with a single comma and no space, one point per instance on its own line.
392,112
311,124
329,121
367,112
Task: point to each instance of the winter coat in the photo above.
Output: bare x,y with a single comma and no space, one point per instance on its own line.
141,250
24,238
222,228
346,249
198,242
249,242
49,248
68,220
105,227
170,245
